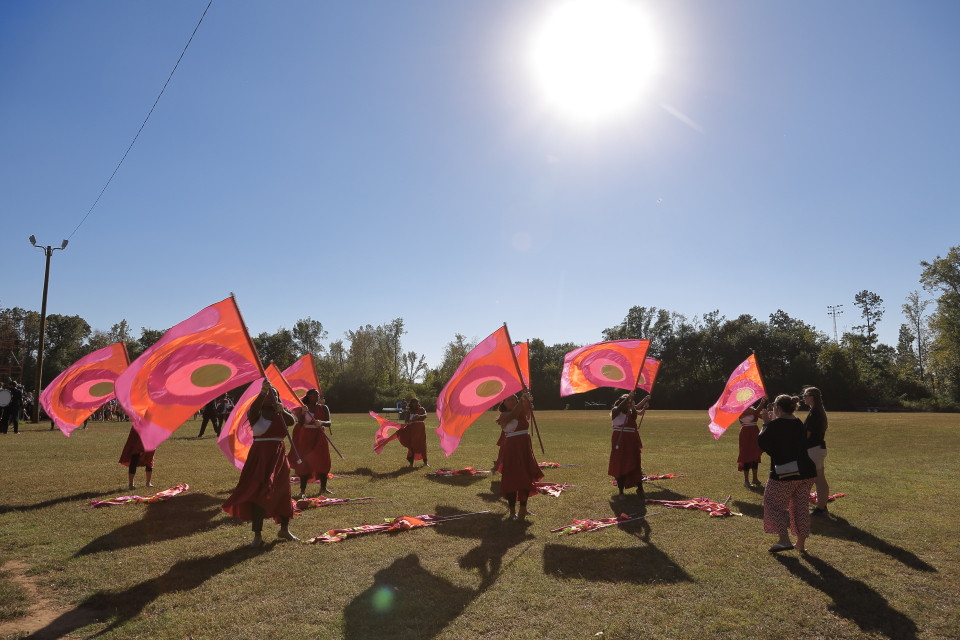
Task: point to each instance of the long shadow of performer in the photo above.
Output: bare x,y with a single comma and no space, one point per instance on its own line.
497,536
837,527
494,494
167,520
77,497
853,599
457,481
405,601
638,565
123,606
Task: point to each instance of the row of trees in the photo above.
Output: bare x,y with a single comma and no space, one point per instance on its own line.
368,368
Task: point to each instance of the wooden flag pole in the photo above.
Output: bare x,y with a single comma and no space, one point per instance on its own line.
523,383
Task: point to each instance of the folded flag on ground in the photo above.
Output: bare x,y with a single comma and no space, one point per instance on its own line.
157,497
715,509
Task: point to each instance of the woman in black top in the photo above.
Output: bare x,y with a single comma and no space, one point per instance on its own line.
787,494
816,427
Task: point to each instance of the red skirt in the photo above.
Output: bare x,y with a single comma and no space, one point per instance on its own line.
314,453
518,467
264,481
625,460
414,438
749,447
134,446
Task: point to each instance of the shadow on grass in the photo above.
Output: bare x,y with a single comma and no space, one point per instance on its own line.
751,509
497,536
123,606
852,599
77,497
639,565
836,527
492,496
182,516
457,481
405,601
632,504
373,475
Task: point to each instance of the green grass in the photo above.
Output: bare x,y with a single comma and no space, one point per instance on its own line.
884,565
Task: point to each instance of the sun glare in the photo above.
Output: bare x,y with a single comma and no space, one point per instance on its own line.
593,58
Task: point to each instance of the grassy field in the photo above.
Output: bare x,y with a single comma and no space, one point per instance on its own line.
884,564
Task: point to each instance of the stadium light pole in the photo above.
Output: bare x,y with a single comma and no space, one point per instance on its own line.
48,251
834,310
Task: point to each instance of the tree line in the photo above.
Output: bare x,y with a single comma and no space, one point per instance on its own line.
368,368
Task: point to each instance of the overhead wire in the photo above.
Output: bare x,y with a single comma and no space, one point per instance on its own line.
155,102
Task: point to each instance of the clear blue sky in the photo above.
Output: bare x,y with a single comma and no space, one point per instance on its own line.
357,162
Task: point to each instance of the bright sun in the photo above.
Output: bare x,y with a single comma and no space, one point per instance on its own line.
593,58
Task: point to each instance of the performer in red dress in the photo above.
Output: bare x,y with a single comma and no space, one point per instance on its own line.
414,435
134,455
264,485
625,444
311,443
516,463
750,452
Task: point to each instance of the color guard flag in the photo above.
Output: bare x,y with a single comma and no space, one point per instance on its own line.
302,376
199,359
387,432
649,374
83,386
522,351
236,436
744,387
487,375
606,364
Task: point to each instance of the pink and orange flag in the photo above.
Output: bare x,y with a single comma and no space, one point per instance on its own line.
744,387
649,374
197,360
388,431
236,436
606,364
83,386
487,375
302,376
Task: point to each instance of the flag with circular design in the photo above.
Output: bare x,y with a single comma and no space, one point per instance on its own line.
487,375
605,364
84,386
386,432
302,376
744,387
649,374
236,436
197,360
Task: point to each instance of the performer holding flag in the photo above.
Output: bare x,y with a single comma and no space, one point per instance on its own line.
134,454
264,485
414,435
311,442
625,444
516,463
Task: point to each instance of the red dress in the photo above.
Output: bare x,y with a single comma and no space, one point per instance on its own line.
517,465
312,445
625,448
414,437
134,446
750,451
265,477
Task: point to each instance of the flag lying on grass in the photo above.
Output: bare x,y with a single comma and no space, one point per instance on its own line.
553,488
617,363
449,473
199,359
402,523
236,436
830,498
715,509
554,465
322,501
487,375
84,386
587,524
157,497
744,387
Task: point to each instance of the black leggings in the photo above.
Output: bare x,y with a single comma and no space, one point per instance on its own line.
257,514
134,461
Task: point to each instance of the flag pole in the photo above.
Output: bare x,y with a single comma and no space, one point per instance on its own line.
523,383
632,393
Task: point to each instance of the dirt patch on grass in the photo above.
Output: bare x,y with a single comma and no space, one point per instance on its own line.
44,618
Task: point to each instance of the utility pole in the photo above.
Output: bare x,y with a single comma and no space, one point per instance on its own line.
48,251
834,311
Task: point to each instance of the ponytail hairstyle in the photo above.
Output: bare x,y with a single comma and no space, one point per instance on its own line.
620,402
787,404
817,408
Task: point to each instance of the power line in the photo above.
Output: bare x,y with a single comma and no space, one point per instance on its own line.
110,179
